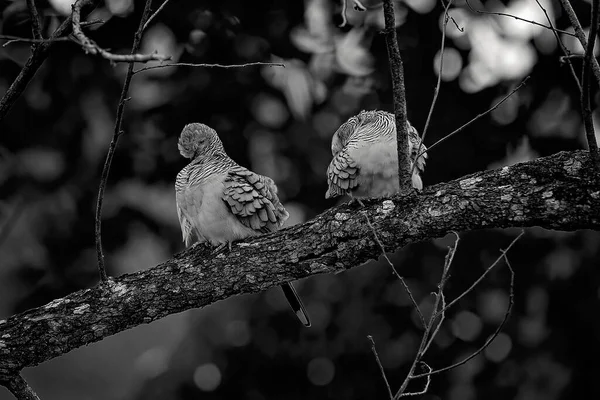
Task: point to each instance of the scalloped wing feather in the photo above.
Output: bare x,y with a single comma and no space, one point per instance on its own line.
252,198
342,175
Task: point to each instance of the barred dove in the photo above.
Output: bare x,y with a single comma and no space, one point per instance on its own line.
219,201
365,157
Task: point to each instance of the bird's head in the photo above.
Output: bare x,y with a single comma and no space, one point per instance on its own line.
198,139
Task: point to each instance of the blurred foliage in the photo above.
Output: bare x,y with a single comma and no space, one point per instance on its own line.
279,122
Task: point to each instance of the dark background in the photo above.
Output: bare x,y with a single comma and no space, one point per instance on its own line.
279,122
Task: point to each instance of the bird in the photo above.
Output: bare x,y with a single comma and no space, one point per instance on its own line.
219,201
365,157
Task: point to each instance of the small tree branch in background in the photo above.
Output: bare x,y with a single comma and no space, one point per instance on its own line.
115,139
36,27
483,114
586,110
20,388
436,91
15,39
400,278
252,64
158,10
37,58
397,73
566,52
428,333
92,48
580,35
552,28
496,332
374,350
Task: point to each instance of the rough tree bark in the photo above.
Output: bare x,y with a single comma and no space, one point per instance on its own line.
557,192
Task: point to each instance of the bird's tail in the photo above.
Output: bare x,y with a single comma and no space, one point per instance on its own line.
296,304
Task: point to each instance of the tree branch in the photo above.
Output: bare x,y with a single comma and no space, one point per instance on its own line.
137,40
19,388
580,35
557,192
36,26
92,48
37,58
586,110
397,72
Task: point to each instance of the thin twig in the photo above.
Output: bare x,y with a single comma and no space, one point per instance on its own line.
252,64
14,39
440,295
425,389
37,58
494,335
399,92
92,48
436,91
406,288
387,384
20,388
115,139
483,114
580,35
519,18
36,26
586,110
427,337
158,10
503,252
562,46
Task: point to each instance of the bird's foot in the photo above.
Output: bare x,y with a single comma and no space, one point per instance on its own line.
355,200
220,248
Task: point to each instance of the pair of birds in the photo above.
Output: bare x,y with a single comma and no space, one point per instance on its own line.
219,201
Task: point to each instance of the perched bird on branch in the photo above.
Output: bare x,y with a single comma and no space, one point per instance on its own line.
365,157
219,201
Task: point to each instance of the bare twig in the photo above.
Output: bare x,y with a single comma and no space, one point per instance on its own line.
158,10
37,58
397,73
252,64
14,39
425,389
437,86
406,288
387,384
586,110
20,388
463,294
562,46
427,334
580,35
92,48
36,26
483,114
552,28
494,335
115,139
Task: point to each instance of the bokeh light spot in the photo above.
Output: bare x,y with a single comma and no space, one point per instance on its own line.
499,348
320,371
466,326
207,377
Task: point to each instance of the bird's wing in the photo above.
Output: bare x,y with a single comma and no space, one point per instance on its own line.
342,174
252,198
186,226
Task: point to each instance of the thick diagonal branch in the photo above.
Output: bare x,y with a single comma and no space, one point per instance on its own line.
557,192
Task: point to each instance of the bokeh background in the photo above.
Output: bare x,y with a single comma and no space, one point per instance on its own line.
279,122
